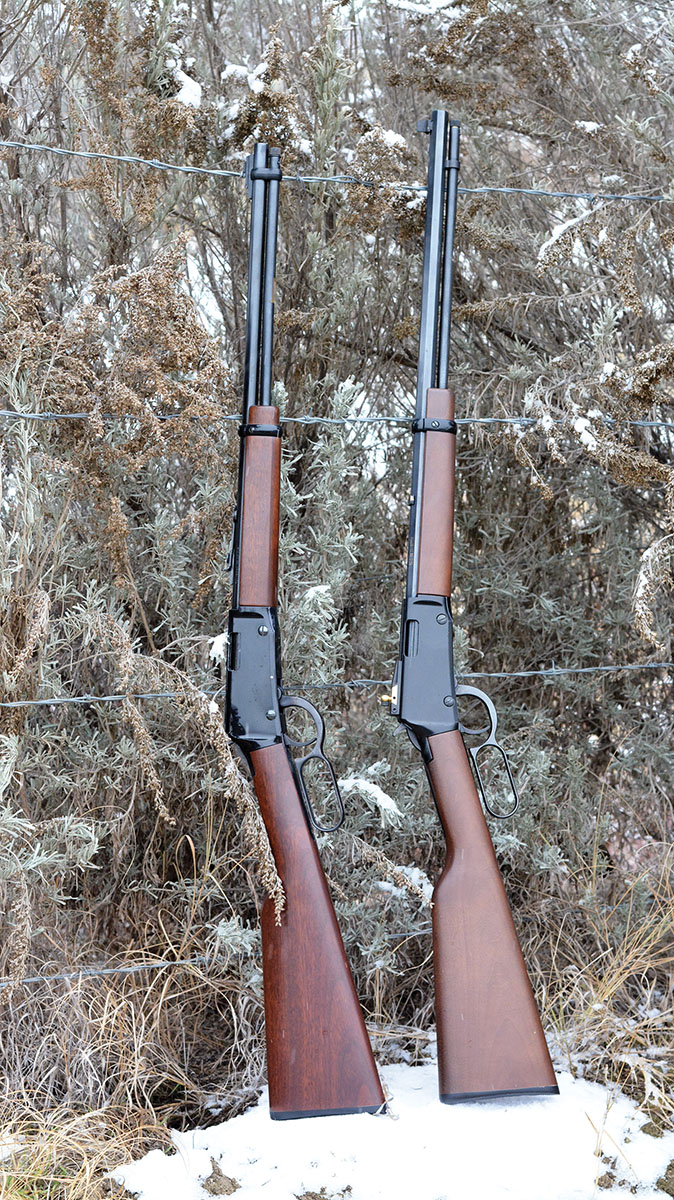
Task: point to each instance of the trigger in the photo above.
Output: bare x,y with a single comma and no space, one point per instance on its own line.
485,729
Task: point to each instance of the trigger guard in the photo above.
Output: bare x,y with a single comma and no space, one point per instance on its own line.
464,689
298,702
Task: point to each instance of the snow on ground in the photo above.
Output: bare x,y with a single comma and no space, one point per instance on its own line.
546,1148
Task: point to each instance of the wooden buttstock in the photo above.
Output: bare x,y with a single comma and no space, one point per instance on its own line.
319,1057
258,555
490,1038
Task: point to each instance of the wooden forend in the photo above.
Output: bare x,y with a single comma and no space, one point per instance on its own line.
490,1038
319,1057
258,555
436,531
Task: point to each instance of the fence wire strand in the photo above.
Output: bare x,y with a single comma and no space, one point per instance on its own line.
308,419
551,672
352,180
95,972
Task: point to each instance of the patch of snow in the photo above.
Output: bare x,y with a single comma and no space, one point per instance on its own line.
582,428
393,139
236,70
427,9
415,875
371,791
559,232
608,369
213,707
524,1147
384,885
218,650
190,92
254,81
10,1146
420,879
588,126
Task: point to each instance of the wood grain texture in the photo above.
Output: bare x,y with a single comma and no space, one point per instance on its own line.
436,531
318,1053
490,1038
258,555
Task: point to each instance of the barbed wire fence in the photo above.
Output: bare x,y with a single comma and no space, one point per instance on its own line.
352,180
308,419
552,672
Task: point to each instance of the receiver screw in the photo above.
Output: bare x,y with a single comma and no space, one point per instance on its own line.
270,714
435,424
262,630
441,619
448,701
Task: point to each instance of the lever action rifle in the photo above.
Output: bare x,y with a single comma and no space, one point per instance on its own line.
319,1059
490,1038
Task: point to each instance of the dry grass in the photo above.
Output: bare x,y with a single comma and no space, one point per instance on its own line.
614,1017
66,1155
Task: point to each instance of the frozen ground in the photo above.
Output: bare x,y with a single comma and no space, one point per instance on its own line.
552,1148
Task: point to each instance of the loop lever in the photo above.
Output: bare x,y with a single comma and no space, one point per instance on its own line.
490,742
315,753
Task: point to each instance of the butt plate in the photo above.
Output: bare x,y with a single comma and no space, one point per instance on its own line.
279,1115
463,1097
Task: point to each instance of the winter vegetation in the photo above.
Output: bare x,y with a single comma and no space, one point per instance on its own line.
127,828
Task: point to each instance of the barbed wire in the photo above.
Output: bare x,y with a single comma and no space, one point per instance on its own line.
88,699
199,961
93,972
308,419
551,672
352,180
131,159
